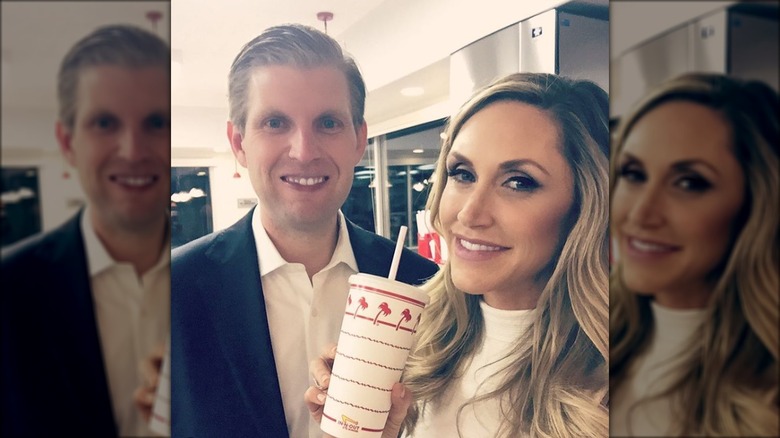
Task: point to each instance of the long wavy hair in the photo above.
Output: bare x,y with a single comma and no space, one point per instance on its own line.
555,384
729,386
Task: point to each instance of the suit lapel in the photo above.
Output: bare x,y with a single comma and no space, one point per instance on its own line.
370,260
71,309
241,322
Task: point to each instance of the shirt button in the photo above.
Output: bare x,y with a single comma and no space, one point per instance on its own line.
314,313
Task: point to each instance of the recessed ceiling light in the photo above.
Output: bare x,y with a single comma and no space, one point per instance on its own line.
418,151
412,91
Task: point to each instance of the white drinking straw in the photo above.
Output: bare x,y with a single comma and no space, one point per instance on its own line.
399,246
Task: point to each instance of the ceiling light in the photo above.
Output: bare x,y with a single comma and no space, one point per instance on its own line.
418,151
412,91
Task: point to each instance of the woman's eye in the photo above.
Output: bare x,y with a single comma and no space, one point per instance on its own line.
631,173
521,183
693,183
461,175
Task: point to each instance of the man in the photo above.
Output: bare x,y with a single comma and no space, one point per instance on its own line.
84,303
252,305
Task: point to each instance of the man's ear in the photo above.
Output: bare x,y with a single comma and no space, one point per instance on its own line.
236,143
64,136
362,141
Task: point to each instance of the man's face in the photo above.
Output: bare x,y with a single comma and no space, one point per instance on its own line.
121,146
299,145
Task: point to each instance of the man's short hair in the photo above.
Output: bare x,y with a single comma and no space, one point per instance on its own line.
117,45
291,45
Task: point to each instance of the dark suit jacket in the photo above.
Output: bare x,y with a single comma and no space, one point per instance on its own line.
54,381
223,374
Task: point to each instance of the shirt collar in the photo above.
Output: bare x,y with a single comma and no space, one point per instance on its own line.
98,258
271,260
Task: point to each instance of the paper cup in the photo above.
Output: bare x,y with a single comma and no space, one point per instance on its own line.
376,334
160,423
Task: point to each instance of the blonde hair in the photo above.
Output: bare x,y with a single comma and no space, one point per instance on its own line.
556,384
729,386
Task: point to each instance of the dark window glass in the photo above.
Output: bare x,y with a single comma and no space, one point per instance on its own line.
20,209
190,204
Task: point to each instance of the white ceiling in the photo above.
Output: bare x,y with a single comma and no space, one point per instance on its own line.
208,34
397,43
36,36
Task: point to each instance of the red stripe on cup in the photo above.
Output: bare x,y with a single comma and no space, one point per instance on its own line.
388,293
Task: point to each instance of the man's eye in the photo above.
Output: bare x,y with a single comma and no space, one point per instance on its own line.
331,124
274,123
105,123
157,122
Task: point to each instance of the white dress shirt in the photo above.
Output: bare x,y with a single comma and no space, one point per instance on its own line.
652,373
133,316
303,316
503,328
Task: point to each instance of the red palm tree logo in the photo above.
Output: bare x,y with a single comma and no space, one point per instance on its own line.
405,316
383,309
362,304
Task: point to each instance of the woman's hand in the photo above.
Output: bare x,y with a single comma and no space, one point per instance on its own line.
315,396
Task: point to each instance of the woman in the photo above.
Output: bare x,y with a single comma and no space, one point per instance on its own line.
514,340
694,296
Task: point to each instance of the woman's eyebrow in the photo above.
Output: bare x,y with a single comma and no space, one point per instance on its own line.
460,158
514,164
687,165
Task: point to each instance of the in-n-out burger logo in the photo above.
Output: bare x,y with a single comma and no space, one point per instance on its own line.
348,424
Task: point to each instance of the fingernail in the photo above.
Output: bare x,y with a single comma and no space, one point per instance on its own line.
321,398
403,391
333,350
325,382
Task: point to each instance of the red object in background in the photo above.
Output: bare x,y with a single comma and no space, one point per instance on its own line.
429,246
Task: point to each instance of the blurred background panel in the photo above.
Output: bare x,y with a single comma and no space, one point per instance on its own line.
39,190
655,41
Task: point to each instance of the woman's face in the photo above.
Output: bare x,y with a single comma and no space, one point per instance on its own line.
509,190
679,191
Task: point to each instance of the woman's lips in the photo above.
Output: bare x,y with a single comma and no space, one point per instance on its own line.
477,250
649,249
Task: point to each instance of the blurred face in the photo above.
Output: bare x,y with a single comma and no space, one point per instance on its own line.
121,145
679,191
299,145
509,190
